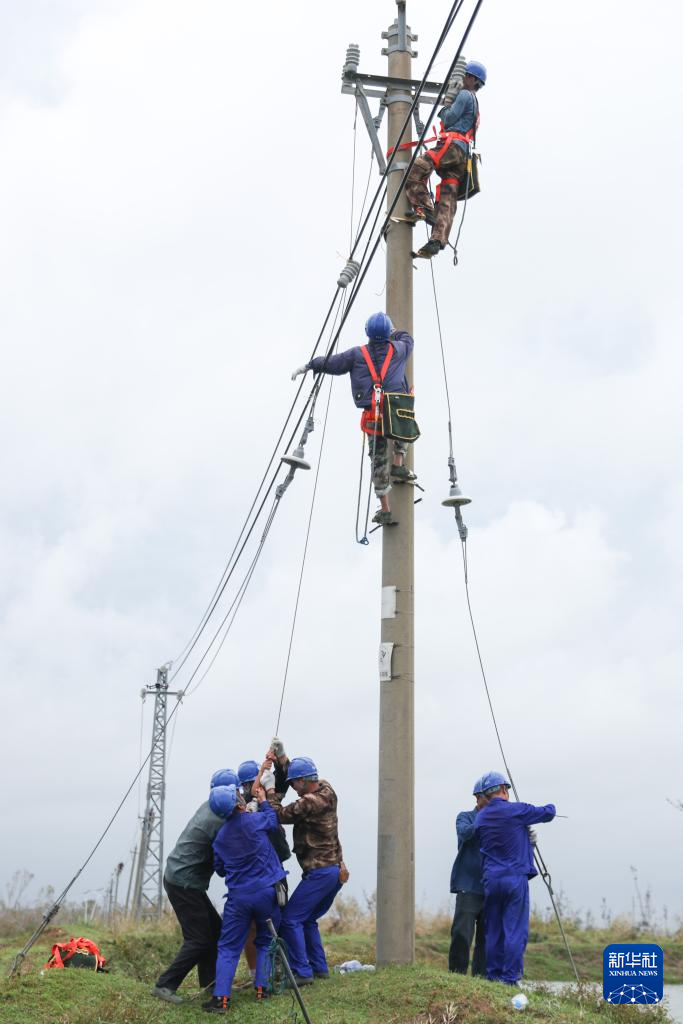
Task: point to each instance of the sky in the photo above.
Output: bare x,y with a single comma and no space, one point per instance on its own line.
175,194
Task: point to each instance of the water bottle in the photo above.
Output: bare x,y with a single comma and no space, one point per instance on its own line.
519,1001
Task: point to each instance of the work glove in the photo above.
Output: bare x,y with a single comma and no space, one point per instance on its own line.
252,806
268,779
297,373
533,838
278,747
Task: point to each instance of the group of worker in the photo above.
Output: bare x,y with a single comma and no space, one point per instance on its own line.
379,367
490,879
238,834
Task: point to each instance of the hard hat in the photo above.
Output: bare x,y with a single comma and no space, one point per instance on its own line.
223,800
379,327
301,768
477,787
224,777
476,69
491,780
247,771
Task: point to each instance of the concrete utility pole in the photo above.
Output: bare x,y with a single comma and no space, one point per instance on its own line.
396,823
396,826
148,892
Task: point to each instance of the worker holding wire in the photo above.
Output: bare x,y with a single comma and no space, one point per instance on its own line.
507,857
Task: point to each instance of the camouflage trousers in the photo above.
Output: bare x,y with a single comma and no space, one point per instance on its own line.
453,164
381,456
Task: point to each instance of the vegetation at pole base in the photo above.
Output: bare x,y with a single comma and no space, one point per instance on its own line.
421,994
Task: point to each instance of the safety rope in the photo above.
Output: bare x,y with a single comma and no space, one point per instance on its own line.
364,539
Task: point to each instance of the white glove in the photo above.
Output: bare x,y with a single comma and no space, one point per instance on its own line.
278,747
533,838
297,373
268,780
252,806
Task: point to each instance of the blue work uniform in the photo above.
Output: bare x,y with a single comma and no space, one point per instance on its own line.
461,116
508,864
468,885
353,363
244,854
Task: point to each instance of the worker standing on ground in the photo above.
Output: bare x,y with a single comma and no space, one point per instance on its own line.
186,879
468,885
449,158
244,855
319,852
508,864
382,362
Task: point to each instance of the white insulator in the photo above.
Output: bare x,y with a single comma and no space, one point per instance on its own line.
352,57
456,80
348,273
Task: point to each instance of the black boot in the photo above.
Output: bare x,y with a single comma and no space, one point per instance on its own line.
430,249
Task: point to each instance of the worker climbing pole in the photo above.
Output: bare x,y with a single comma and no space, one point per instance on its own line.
452,159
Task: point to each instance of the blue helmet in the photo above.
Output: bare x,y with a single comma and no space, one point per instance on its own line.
224,777
379,327
476,69
301,768
491,780
477,787
247,771
223,800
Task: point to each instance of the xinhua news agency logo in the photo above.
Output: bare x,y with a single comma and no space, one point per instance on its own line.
633,973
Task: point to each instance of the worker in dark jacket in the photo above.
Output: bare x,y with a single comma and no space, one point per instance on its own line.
244,855
508,864
319,853
186,879
449,158
468,885
388,351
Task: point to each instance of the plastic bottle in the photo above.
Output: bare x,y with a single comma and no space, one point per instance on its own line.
519,1001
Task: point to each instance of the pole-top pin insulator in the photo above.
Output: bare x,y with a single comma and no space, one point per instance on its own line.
348,273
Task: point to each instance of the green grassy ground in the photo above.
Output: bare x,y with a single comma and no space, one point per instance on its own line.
422,994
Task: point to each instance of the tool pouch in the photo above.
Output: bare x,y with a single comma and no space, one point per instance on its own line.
469,183
398,417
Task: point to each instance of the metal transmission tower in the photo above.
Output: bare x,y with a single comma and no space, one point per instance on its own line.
148,892
396,824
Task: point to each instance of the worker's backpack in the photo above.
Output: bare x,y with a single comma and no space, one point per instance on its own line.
76,953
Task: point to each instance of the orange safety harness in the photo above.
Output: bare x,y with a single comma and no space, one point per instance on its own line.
63,951
444,139
371,419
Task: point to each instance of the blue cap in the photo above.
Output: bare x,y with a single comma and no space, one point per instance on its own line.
301,768
223,800
379,327
224,777
247,771
491,780
477,69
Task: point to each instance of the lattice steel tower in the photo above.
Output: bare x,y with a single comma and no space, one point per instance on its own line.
148,892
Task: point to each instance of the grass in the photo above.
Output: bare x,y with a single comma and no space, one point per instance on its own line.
424,993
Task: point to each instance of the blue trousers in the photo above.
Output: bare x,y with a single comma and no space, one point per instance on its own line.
240,911
506,923
312,898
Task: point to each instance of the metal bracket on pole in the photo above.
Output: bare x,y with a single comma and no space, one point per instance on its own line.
364,107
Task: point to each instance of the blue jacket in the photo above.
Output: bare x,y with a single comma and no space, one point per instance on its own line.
244,854
461,116
504,839
352,362
466,874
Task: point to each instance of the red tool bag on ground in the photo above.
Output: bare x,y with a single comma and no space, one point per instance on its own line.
76,953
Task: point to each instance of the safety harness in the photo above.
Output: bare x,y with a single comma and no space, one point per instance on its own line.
371,419
76,953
